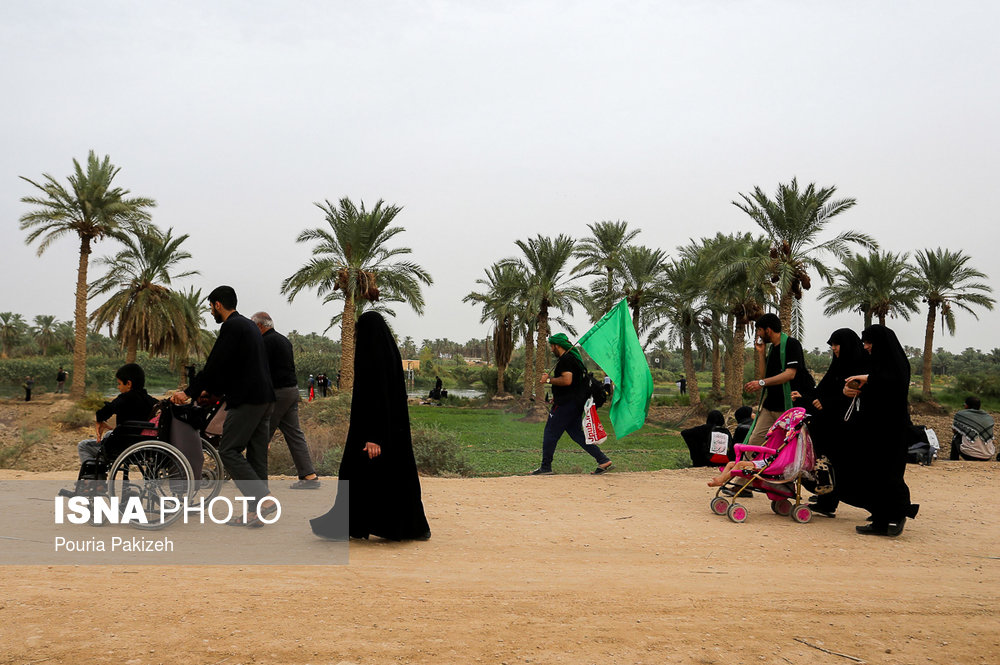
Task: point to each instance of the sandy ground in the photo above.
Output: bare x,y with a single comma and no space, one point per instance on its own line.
622,568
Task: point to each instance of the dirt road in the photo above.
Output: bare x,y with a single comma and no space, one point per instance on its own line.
622,568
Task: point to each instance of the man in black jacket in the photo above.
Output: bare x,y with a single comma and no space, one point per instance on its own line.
237,370
284,414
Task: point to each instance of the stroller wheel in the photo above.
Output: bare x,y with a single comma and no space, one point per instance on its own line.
782,507
719,505
737,513
802,514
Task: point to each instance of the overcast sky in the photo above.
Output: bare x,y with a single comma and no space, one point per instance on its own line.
494,121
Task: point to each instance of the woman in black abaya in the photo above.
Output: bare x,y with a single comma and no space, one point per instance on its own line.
828,406
883,435
383,490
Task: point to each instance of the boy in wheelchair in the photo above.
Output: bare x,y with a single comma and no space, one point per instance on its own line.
133,403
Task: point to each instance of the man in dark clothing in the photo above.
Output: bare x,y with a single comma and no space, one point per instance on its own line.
777,379
566,414
284,414
60,380
237,370
28,384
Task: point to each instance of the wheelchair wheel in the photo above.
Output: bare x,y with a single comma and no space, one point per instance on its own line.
737,513
801,514
212,473
719,505
152,471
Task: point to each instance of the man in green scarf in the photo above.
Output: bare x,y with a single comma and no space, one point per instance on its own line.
568,398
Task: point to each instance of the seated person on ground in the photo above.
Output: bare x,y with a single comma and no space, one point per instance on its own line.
973,429
700,441
744,421
134,403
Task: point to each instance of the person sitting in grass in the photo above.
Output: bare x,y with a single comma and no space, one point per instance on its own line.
133,403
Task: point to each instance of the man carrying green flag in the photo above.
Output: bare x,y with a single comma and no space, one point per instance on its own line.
568,398
614,346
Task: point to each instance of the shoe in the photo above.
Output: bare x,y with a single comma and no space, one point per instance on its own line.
602,469
542,471
303,484
873,529
895,528
268,510
825,513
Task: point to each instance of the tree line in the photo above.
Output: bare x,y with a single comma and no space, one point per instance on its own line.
702,298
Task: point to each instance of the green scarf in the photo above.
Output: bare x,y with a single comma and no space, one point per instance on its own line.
560,340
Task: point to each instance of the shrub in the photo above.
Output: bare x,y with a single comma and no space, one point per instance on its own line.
437,452
76,417
511,380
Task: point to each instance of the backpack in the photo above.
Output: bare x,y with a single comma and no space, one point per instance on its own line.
594,389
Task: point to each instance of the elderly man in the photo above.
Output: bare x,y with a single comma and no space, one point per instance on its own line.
284,414
566,414
237,370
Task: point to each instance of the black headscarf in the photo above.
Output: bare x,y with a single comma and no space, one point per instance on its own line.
853,360
715,419
384,491
888,384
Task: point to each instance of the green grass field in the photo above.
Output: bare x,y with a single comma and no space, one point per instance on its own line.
496,443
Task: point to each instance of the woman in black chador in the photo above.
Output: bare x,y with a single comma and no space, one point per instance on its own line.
383,490
883,436
828,406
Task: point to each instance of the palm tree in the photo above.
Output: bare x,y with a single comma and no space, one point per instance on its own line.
600,254
351,261
740,282
947,283
12,327
149,315
94,210
641,268
683,305
793,221
44,331
545,262
191,339
881,284
504,282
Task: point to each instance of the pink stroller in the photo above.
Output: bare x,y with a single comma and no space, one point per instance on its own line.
779,467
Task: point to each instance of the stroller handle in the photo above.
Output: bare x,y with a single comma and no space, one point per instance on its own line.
740,448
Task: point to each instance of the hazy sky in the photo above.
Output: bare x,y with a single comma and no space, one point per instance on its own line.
494,121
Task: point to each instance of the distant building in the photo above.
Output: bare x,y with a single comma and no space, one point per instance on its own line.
473,361
411,364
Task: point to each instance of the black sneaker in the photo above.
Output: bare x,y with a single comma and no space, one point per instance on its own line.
542,471
873,529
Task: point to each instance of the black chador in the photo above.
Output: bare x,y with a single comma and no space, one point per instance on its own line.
383,491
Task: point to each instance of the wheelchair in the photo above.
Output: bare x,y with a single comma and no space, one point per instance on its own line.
154,461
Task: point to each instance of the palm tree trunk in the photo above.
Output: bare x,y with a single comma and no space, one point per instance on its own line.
928,349
347,329
785,312
737,359
692,378
881,319
716,366
541,355
80,324
529,366
131,349
611,298
868,318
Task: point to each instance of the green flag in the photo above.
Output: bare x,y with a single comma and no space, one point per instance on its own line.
614,346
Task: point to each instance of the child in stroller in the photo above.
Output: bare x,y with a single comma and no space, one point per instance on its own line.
776,469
